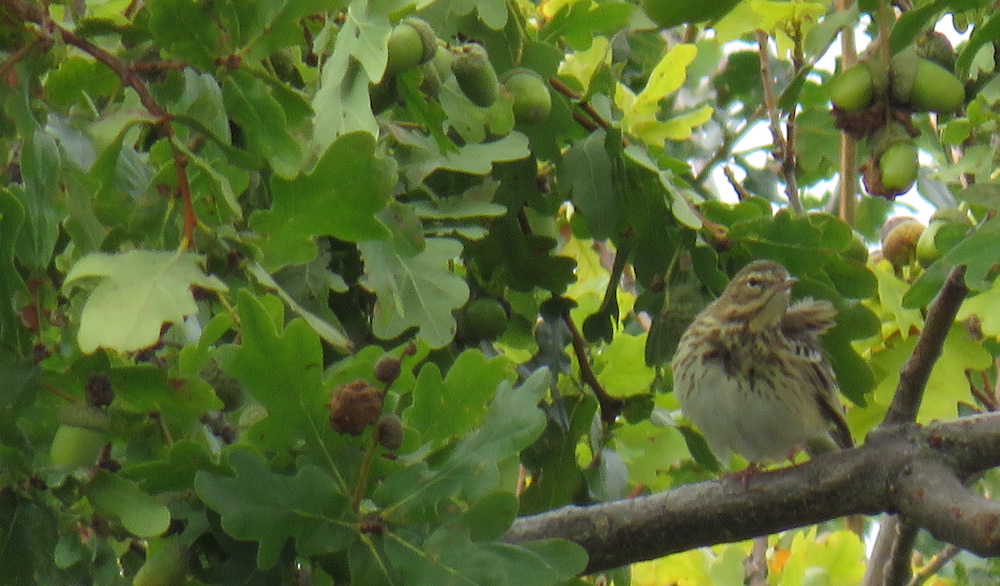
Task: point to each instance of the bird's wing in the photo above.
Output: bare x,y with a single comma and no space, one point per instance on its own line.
802,325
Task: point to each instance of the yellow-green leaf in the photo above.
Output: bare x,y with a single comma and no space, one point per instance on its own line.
668,75
138,292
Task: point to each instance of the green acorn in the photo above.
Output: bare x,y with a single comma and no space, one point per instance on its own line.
483,319
947,226
898,167
892,164
857,249
532,101
923,85
853,90
411,43
475,75
80,436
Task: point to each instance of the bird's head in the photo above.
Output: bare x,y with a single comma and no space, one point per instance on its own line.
759,295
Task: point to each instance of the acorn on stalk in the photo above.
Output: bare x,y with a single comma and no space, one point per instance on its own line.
80,436
899,240
412,42
892,165
924,86
475,75
532,100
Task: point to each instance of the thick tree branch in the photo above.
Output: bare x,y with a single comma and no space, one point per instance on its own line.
892,472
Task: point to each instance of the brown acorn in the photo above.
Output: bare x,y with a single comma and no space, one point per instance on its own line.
899,240
389,432
387,370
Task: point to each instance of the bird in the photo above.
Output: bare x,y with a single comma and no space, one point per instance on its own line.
751,373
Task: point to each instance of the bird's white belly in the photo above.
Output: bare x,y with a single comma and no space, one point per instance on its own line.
757,425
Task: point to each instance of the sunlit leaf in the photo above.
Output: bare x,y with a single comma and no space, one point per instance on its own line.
143,289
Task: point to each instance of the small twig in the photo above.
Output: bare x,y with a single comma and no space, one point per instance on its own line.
16,56
729,139
890,559
595,117
883,48
128,77
741,192
937,562
755,564
366,464
846,191
611,407
782,149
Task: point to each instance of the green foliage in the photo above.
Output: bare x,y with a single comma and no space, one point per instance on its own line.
230,212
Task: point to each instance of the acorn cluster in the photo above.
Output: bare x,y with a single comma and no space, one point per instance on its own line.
875,102
413,44
906,241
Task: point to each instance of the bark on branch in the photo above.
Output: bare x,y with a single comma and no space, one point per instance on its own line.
907,469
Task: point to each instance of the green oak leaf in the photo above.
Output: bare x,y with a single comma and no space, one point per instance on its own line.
259,505
338,197
984,306
329,330
474,159
177,471
588,172
11,218
463,394
450,556
359,56
512,422
419,291
891,290
146,388
186,30
261,116
270,25
138,292
141,514
280,368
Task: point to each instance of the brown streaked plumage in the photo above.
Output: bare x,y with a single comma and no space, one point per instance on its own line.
750,371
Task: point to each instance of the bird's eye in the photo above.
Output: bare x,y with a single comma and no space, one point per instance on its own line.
754,282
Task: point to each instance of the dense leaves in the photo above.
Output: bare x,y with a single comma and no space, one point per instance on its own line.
227,214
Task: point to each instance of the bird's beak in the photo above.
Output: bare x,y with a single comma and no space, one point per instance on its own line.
787,284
